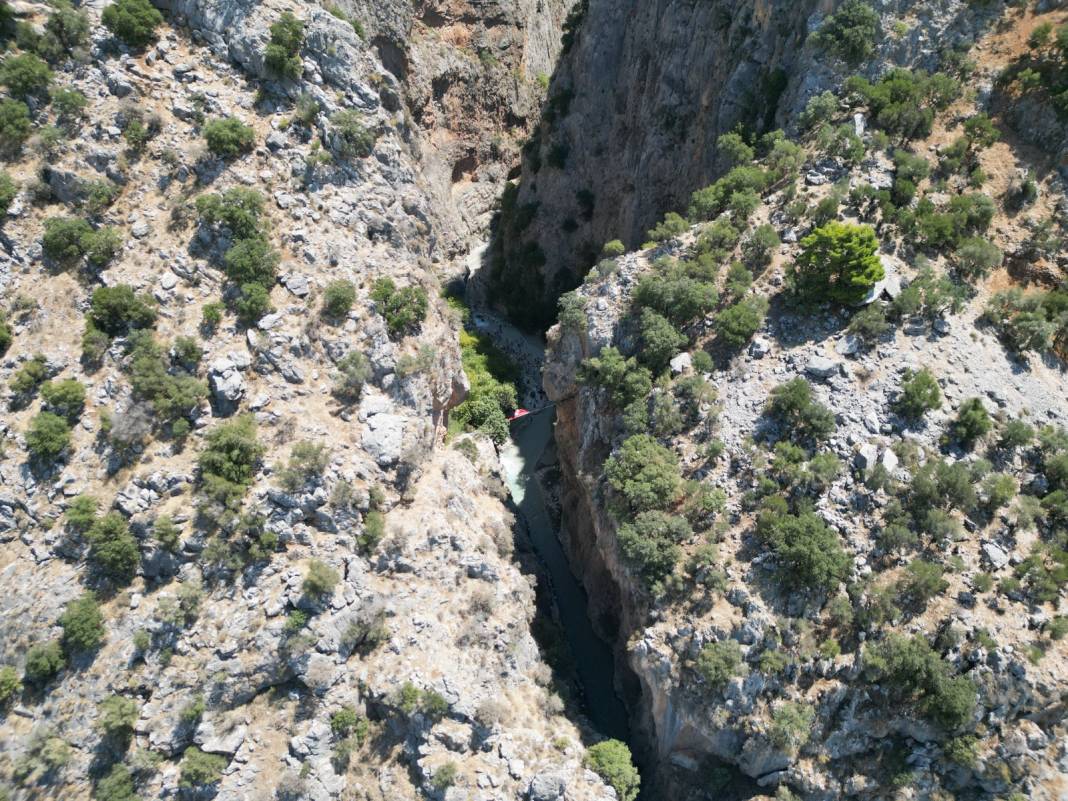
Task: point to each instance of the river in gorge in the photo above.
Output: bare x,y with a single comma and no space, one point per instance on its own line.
593,657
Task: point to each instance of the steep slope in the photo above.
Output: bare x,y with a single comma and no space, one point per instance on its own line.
807,579
641,97
296,590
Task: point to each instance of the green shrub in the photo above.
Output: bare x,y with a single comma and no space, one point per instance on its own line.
736,324
1016,435
800,417
66,398
43,661
68,239
353,140
928,296
251,260
670,227
718,662
444,777
791,726
66,32
374,529
920,394
735,149
116,785
307,462
167,533
353,372
200,769
809,553
64,238
904,102
83,624
211,315
758,248
972,423
282,56
344,721
644,473
622,379
1029,321
172,391
661,341
963,750
118,714
239,209
229,458
1000,489
338,298
976,257
102,245
850,32
611,761
15,126
25,75
838,262
320,580
116,310
10,684
404,309
132,21
8,192
913,672
492,394
922,582
676,295
81,514
228,137
47,437
96,196
253,303
113,549
650,545
30,376
742,181
68,104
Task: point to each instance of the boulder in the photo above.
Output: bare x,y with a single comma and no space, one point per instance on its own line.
682,363
546,787
821,367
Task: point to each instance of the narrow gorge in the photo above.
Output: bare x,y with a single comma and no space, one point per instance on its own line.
534,400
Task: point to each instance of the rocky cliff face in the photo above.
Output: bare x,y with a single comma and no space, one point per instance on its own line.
411,671
799,712
640,99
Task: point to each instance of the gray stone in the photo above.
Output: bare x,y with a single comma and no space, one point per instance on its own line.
995,554
383,438
821,367
682,363
759,348
297,284
546,787
866,457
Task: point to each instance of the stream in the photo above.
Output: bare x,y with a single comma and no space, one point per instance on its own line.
520,455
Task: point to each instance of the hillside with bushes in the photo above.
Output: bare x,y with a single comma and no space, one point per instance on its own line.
811,433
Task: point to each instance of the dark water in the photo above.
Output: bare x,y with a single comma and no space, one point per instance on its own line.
593,657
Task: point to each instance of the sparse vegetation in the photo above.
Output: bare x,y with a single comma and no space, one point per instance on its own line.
132,21
403,308
228,137
611,761
282,56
